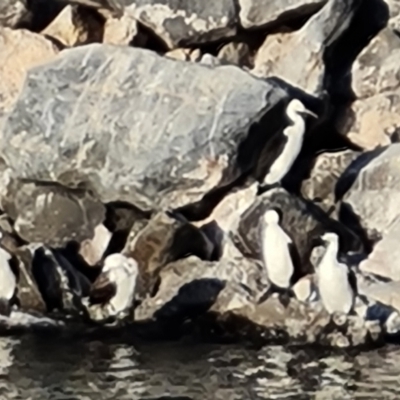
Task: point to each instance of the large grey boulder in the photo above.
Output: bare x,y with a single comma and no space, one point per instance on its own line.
133,126
184,23
261,13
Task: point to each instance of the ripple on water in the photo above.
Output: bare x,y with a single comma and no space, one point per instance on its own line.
50,368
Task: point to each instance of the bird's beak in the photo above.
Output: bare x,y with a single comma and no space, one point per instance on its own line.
308,112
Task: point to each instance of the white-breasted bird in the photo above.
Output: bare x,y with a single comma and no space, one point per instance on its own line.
279,254
336,282
283,148
8,282
115,286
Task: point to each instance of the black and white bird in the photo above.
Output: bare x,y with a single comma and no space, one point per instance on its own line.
114,289
284,147
279,255
8,282
336,282
60,284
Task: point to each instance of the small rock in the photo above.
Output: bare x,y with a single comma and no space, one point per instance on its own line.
92,250
235,53
228,212
12,12
328,167
261,13
75,26
303,288
209,59
179,54
53,215
186,23
394,8
195,55
8,239
121,31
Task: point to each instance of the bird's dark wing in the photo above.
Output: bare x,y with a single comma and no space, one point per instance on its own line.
352,280
298,272
102,290
273,148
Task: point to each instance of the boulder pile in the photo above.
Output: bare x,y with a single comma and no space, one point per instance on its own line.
139,127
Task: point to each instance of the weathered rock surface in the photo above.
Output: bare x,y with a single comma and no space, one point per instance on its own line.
75,26
299,323
376,82
235,53
394,8
383,260
375,194
328,167
298,57
19,51
189,284
192,119
229,211
12,12
120,31
92,250
386,293
164,239
113,8
186,23
261,13
52,215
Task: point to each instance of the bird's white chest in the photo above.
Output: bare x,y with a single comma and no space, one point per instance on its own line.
125,292
276,255
335,291
7,278
285,160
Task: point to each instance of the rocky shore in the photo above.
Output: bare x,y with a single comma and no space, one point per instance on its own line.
140,128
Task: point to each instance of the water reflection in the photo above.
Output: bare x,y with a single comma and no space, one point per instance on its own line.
33,367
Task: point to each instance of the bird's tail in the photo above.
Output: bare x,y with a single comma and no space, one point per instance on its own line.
5,307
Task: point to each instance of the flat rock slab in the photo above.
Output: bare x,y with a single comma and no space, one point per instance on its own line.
136,127
183,23
261,13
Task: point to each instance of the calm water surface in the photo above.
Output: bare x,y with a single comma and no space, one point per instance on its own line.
37,367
